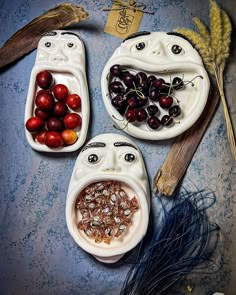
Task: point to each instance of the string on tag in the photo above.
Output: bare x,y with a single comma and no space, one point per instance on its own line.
141,7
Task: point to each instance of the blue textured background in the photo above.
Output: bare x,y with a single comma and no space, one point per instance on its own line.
37,254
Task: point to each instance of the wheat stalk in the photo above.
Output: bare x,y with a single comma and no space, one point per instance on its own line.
202,29
201,46
214,47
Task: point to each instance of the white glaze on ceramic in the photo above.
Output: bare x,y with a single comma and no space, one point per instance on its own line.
111,165
157,58
67,65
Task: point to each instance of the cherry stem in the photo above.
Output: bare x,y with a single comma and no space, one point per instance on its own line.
178,101
138,92
123,118
191,81
117,118
118,128
171,86
140,78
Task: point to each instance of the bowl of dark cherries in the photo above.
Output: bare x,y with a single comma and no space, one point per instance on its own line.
153,102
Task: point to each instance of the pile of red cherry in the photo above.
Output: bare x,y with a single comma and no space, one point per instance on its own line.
54,121
139,97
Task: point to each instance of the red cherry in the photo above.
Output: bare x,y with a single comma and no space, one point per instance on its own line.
165,101
141,115
131,115
53,139
44,101
132,102
153,122
60,109
42,114
42,91
55,124
73,101
34,124
158,83
60,91
72,120
44,79
41,136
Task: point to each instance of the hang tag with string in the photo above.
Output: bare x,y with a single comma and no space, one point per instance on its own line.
124,18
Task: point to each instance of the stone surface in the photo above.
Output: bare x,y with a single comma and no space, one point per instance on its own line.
37,253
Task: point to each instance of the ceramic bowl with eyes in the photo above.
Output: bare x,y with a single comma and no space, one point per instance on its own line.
155,69
62,53
104,159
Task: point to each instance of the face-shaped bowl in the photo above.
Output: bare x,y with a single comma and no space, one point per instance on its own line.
111,166
61,53
164,56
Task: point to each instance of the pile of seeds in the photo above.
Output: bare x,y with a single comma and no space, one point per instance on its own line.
106,210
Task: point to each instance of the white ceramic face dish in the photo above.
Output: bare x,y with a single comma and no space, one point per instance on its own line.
155,56
110,150
62,53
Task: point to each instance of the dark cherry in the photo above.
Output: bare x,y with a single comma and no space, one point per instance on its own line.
166,88
166,120
115,71
153,122
133,103
158,83
143,86
177,83
152,110
130,115
142,102
129,80
119,102
154,94
141,76
174,111
117,87
141,115
165,101
151,79
124,72
129,92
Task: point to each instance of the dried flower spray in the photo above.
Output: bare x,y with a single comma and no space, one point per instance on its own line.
214,47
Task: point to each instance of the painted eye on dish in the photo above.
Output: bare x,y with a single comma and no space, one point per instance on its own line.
176,49
140,46
129,157
70,46
48,44
93,158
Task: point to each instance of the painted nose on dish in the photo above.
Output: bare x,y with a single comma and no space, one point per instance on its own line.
158,49
110,163
59,56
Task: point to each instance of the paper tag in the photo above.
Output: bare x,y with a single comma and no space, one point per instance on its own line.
123,22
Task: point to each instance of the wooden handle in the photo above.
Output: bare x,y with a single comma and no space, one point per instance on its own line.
183,149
